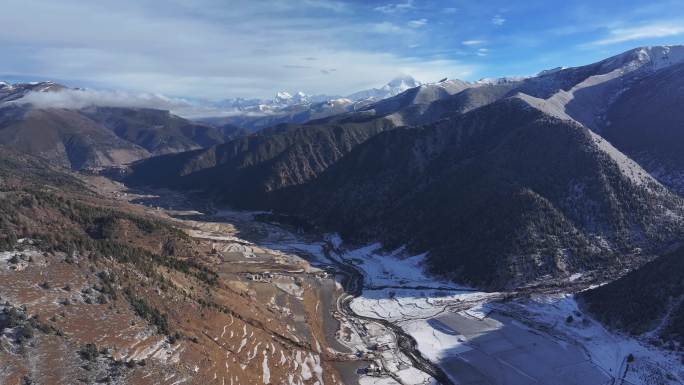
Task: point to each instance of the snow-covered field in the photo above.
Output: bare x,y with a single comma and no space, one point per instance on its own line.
395,268
477,338
607,350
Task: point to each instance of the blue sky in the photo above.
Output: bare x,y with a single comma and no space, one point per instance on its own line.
217,49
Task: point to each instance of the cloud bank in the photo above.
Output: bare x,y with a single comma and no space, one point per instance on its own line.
83,98
218,49
208,49
621,35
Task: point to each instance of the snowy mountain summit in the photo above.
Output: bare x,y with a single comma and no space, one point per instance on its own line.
284,98
650,58
394,87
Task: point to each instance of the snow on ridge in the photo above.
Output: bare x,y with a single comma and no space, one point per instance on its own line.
502,80
548,106
627,166
392,88
555,106
661,56
649,58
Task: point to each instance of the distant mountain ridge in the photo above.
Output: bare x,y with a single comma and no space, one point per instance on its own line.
101,136
12,92
286,98
255,114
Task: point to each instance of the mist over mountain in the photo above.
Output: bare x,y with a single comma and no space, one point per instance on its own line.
81,136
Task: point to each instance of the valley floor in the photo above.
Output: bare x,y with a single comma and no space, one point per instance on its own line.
474,337
375,317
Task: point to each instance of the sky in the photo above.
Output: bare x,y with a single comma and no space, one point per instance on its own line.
218,49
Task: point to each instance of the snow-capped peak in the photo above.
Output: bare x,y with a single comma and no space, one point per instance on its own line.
338,102
394,87
661,56
286,98
650,58
283,96
503,80
403,83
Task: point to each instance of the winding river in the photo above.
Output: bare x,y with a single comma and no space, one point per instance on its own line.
353,284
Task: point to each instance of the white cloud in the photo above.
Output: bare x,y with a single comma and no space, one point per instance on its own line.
621,35
386,27
202,48
395,7
498,20
473,42
354,65
336,6
417,23
82,98
482,52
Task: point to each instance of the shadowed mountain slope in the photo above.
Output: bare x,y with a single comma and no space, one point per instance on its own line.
648,301
500,196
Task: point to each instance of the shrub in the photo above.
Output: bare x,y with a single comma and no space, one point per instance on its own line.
89,352
148,312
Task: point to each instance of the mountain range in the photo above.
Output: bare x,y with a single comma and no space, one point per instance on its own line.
508,183
255,114
285,99
94,137
503,183
98,136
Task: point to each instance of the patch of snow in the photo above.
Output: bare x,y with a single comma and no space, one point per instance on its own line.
394,268
503,80
400,305
435,342
265,369
242,344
